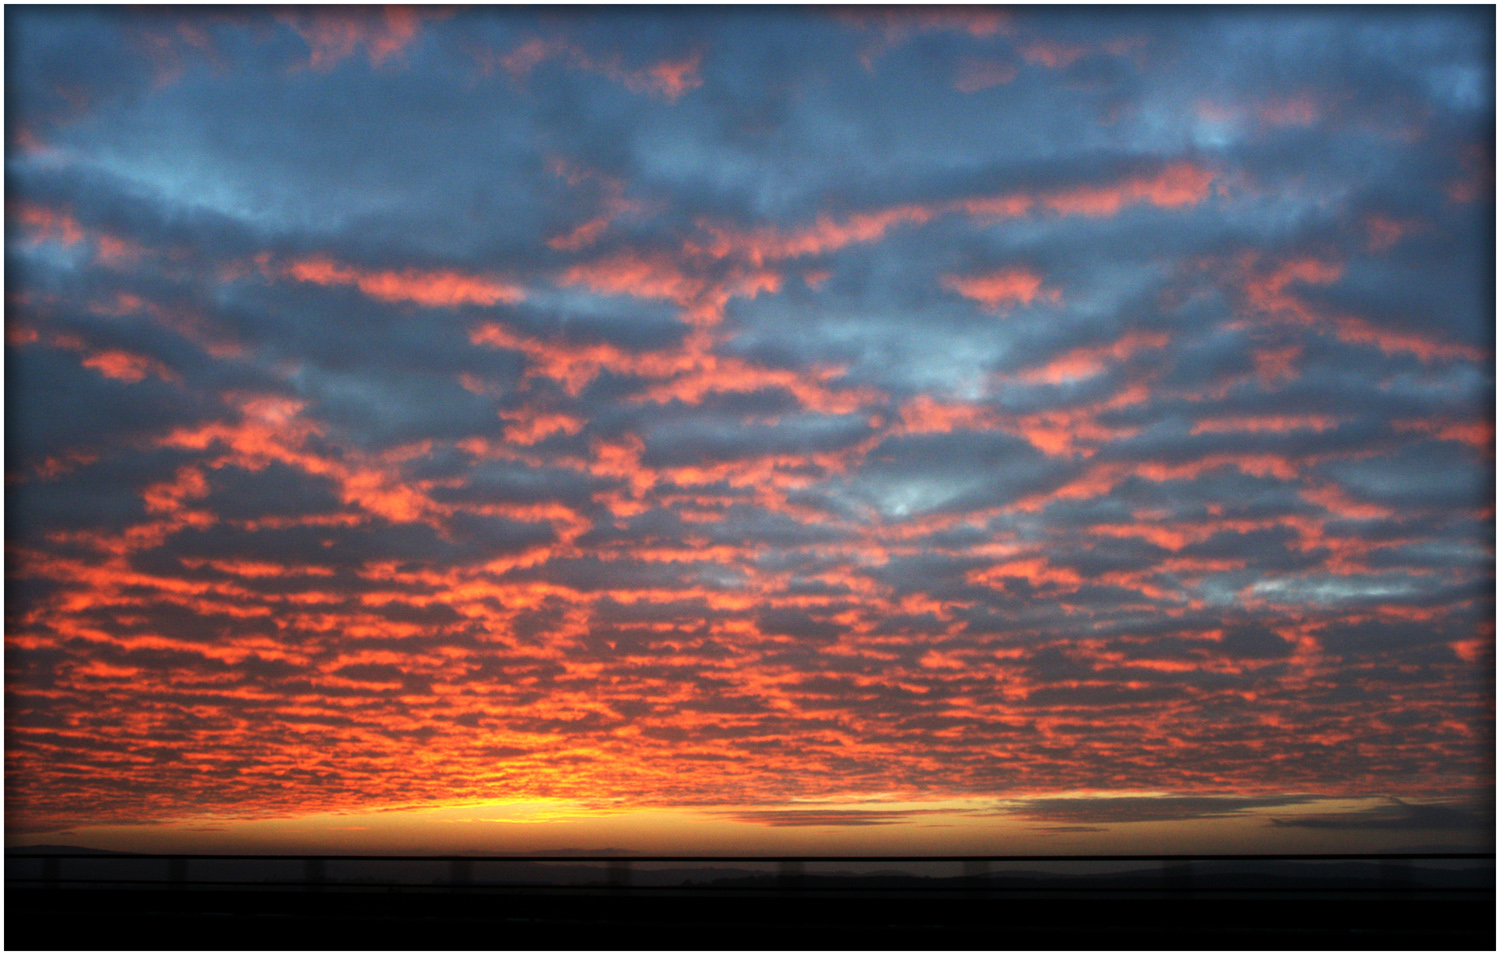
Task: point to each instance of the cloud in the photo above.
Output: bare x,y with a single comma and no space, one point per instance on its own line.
1004,287
825,817
436,289
976,74
1122,809
405,409
1396,815
669,78
333,35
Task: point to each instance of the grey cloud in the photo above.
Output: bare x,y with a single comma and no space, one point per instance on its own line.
1397,815
1085,809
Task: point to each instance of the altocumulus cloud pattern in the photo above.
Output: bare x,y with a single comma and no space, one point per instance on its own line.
720,407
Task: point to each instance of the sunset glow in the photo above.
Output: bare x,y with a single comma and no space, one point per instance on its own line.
929,430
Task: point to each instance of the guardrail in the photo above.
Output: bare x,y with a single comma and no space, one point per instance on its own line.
1392,871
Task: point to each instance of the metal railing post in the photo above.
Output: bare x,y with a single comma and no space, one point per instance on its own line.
177,870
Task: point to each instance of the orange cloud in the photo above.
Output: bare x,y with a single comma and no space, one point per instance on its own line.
48,225
1334,499
528,427
1064,433
660,276
1276,365
434,289
115,251
127,366
1294,111
1053,55
1179,184
1002,287
1212,112
575,365
334,34
1478,433
668,78
1478,176
45,224
1353,329
897,25
1089,360
1272,292
925,415
1306,422
1036,571
975,75
1383,231
1173,186
584,234
827,234
639,274
717,374
612,202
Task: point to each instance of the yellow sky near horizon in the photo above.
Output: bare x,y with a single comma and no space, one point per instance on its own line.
1083,824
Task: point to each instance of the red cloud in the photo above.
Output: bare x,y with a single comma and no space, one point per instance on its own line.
658,275
825,235
1171,187
667,78
528,427
1036,571
575,365
48,225
1384,231
1177,185
925,415
1053,55
1276,365
1310,422
1478,176
127,366
975,75
899,23
45,224
642,275
1351,328
1294,111
334,34
1002,287
1089,360
896,26
435,289
1273,292
1478,433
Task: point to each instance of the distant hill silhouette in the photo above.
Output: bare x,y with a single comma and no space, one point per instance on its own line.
59,850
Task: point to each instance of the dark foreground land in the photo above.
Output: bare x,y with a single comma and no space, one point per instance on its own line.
270,919
126,903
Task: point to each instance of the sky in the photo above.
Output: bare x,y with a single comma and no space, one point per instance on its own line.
860,429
